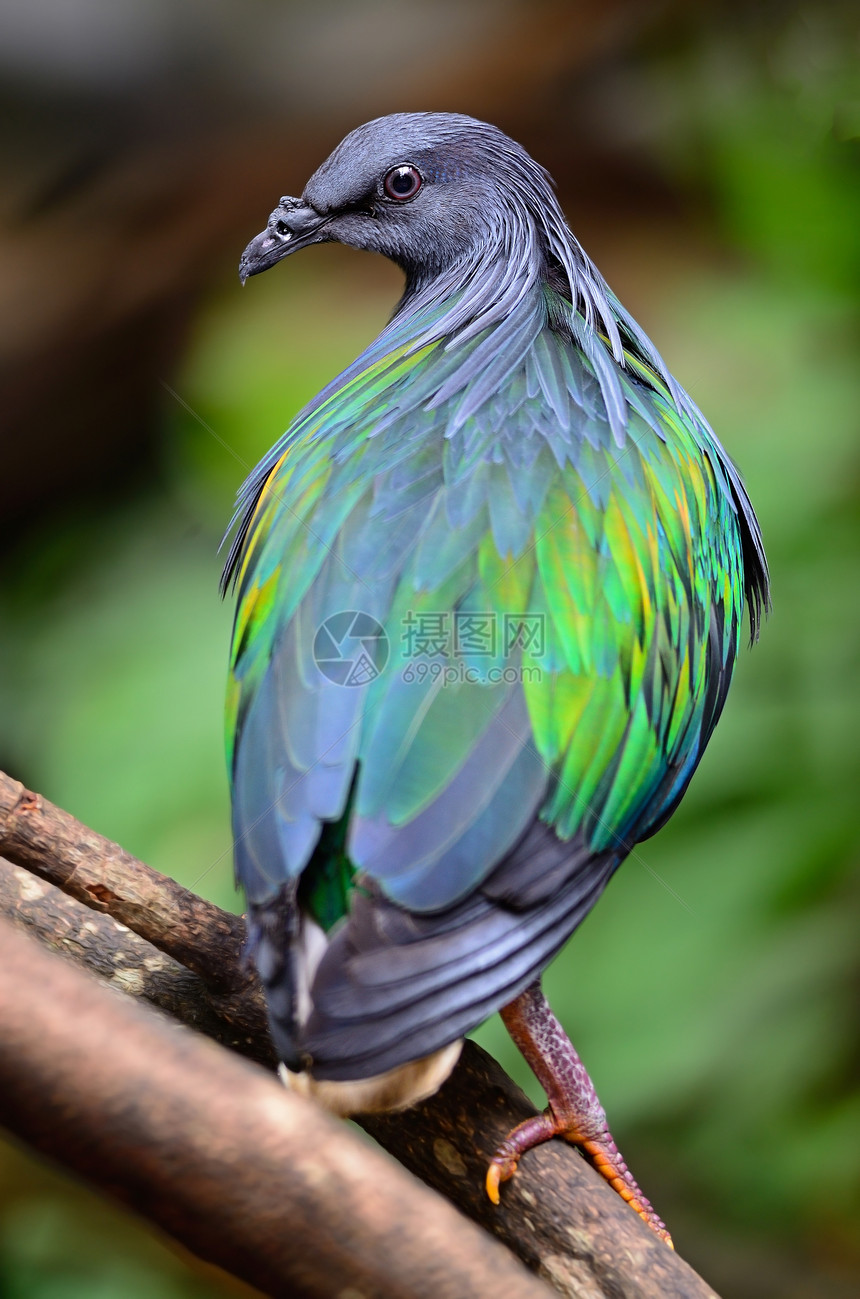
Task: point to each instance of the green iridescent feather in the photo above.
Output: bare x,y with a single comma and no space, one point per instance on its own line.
405,493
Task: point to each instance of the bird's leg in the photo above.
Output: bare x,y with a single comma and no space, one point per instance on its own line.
574,1111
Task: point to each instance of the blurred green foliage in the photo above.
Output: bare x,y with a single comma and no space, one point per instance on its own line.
59,1242
713,991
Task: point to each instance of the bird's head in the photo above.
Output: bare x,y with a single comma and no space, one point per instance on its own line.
424,189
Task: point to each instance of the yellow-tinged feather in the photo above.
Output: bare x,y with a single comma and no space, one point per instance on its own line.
639,757
509,583
556,703
596,735
255,608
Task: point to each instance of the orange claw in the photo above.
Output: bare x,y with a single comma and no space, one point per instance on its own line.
494,1177
502,1169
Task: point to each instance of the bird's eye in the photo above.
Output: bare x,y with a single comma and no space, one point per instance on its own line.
402,182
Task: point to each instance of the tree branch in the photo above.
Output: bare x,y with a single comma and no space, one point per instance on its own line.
51,843
98,943
557,1214
255,1179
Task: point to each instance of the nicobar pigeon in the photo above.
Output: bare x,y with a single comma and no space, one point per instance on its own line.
490,587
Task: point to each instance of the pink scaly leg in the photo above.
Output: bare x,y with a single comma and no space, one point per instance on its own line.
574,1112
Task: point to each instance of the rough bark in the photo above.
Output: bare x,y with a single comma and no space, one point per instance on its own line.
206,1145
557,1214
128,963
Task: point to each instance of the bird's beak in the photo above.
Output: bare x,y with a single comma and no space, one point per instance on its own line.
294,224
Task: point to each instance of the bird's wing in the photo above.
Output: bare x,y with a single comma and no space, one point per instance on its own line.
490,795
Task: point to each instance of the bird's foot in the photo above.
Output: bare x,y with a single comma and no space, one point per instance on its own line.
599,1148
574,1111
525,1136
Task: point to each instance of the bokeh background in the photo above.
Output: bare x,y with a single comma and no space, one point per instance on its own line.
707,156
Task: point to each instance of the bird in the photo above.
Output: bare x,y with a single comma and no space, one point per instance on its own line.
490,590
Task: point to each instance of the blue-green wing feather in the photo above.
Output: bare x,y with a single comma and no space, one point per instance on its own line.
514,474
